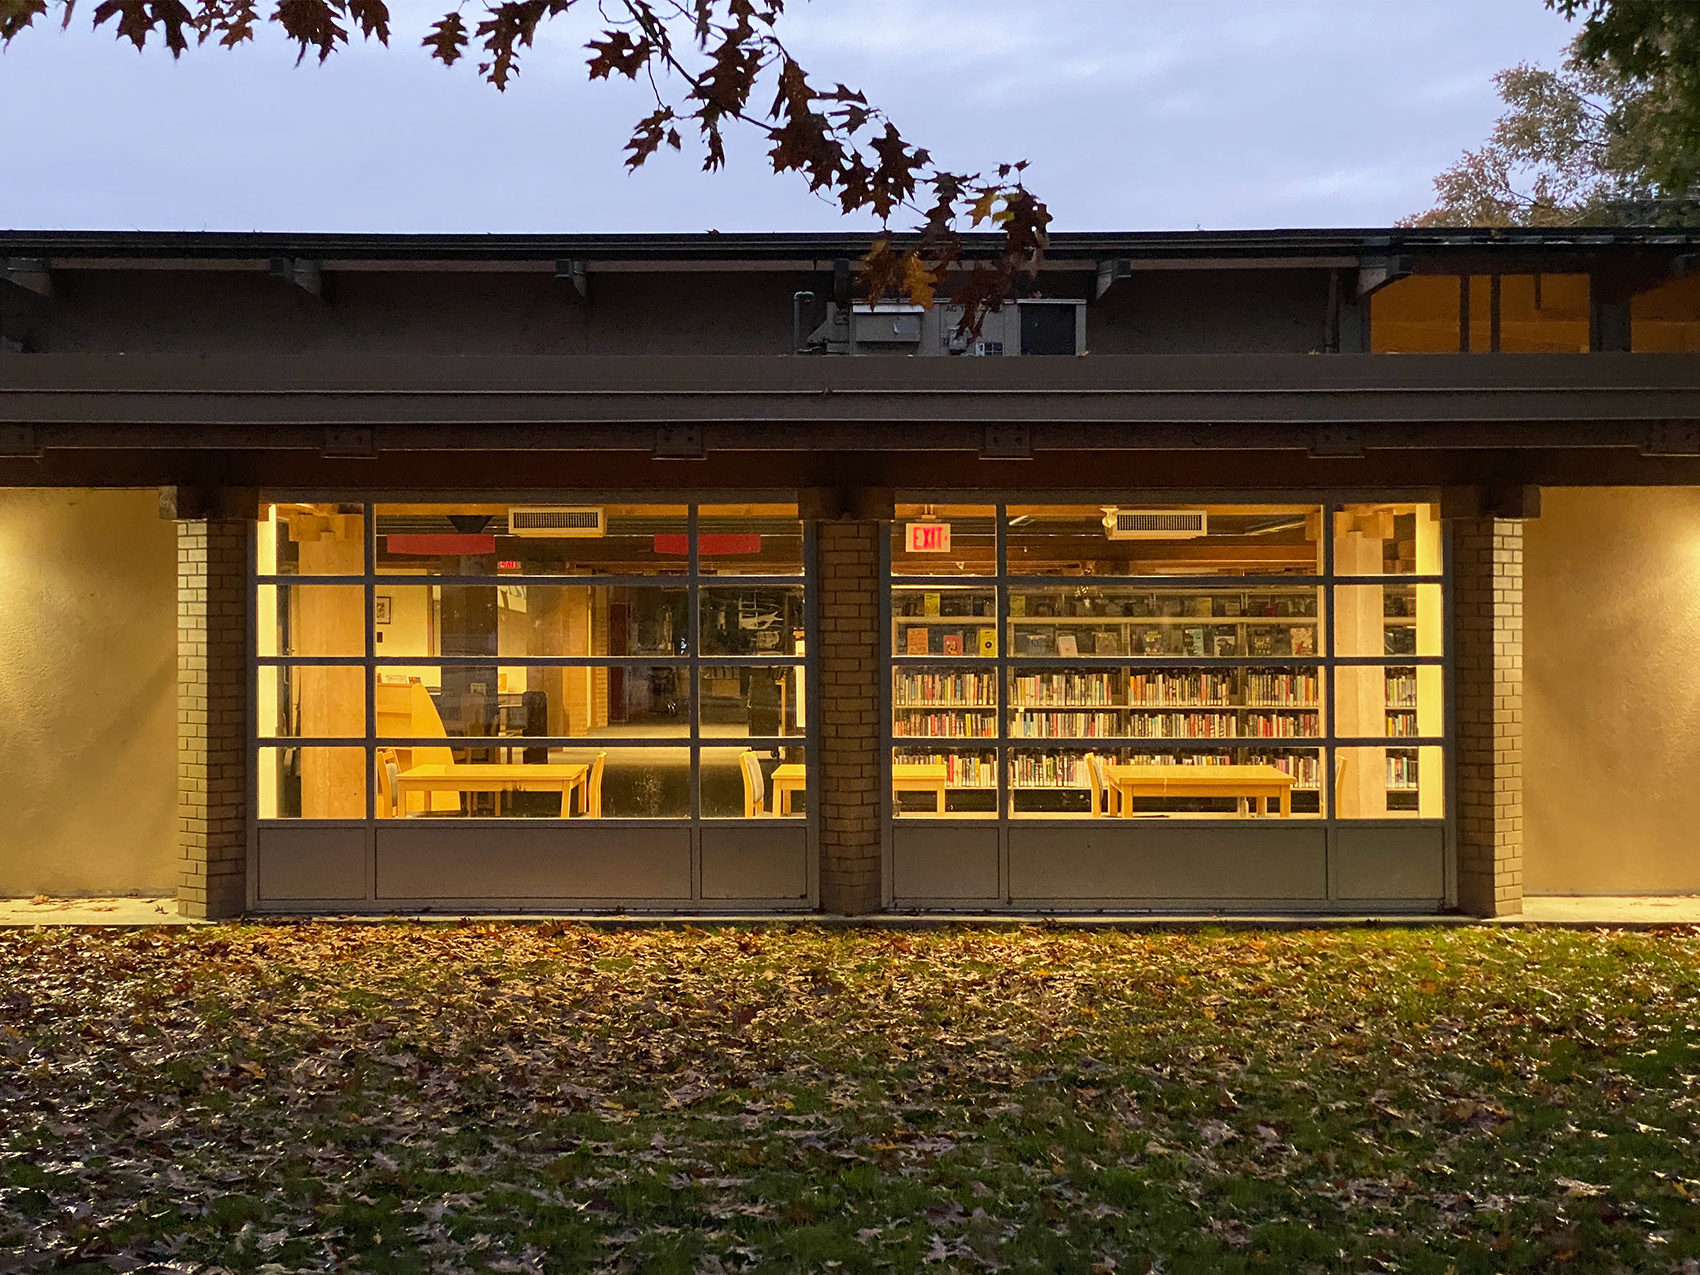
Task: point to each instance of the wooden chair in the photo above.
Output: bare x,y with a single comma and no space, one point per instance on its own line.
755,787
593,788
389,807
1104,797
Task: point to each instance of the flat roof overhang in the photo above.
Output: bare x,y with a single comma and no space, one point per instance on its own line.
1319,403
1432,248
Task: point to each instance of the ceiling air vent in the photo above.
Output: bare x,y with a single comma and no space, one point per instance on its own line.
557,521
1156,524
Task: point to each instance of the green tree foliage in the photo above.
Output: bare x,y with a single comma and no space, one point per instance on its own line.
1653,45
1611,137
711,65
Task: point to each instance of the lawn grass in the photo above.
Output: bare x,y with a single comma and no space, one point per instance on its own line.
552,1097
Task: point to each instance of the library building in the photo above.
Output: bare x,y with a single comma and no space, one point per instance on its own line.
1258,573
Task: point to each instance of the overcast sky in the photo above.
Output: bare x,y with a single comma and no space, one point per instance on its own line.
1136,114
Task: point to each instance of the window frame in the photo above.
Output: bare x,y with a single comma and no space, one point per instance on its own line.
371,582
1326,661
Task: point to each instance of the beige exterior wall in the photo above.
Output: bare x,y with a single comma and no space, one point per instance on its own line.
1612,746
88,693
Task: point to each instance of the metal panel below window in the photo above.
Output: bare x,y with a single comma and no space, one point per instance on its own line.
759,861
1106,860
460,861
312,864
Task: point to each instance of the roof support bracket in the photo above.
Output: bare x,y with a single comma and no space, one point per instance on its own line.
1009,441
1337,440
1377,272
209,503
309,276
19,440
679,442
29,273
1109,272
1673,438
573,272
352,443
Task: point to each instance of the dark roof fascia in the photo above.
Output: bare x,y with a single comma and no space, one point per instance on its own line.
1163,402
1085,246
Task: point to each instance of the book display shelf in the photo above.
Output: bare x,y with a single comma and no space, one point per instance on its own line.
1252,653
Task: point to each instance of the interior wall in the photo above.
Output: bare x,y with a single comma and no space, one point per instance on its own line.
1611,692
88,693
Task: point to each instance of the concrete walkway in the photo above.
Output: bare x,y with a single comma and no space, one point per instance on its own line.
1576,911
1636,910
127,912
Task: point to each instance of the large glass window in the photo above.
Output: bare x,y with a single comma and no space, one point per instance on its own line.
1149,661
592,660
1666,319
1480,314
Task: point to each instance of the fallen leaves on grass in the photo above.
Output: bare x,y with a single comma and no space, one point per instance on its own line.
556,1097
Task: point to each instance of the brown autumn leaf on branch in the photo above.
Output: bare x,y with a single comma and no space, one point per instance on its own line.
706,62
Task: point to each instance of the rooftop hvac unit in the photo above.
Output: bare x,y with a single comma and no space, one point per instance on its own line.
886,323
1156,524
557,521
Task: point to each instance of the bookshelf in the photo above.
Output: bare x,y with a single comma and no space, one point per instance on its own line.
1216,623
1402,723
1191,674
953,622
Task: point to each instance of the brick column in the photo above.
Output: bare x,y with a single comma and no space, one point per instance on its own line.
848,600
212,720
1487,572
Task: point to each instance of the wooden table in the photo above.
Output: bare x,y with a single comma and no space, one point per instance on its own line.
919,777
787,780
1247,784
565,778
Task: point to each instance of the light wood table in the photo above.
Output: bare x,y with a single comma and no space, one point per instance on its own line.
565,778
787,780
1247,784
919,777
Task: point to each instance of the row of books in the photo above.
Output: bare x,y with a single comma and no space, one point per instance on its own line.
1273,690
924,639
945,690
1048,770
946,725
1068,770
1216,642
1401,769
1283,725
1066,726
1401,725
957,602
1182,726
961,770
1402,689
1162,605
1044,690
1042,725
1181,689
1204,689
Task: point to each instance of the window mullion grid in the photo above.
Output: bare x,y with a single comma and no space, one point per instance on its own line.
693,656
369,550
1139,584
1002,757
1330,666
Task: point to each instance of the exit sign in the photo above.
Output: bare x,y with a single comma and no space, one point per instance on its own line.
928,537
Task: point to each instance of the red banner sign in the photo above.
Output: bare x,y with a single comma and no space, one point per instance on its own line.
710,545
447,544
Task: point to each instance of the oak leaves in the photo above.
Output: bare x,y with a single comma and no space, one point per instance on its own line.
706,61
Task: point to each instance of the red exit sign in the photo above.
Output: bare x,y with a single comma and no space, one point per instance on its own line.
928,537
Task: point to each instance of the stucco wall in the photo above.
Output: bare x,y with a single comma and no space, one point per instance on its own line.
88,693
1612,692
